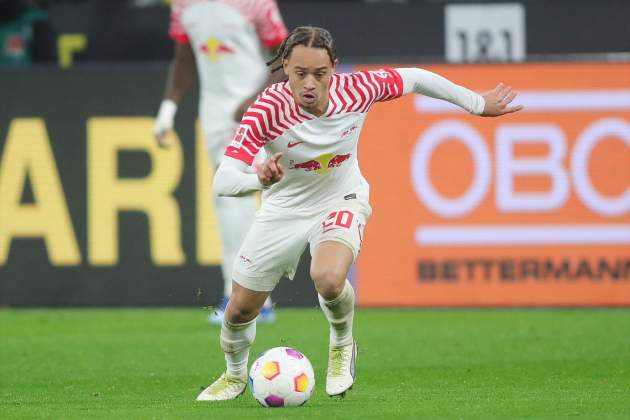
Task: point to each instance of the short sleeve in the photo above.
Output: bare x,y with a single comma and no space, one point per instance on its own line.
252,134
176,29
269,25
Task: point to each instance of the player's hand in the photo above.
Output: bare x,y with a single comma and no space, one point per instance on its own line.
498,101
164,123
271,171
162,137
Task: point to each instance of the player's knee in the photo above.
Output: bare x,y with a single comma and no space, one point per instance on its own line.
328,282
240,315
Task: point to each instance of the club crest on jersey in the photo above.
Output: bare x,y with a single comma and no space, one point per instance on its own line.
322,164
214,49
382,74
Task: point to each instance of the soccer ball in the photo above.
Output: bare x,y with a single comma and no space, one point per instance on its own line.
281,377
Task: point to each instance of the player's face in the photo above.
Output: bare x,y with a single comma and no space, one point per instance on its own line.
309,71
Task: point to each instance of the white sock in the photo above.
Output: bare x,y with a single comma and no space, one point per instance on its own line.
236,339
340,312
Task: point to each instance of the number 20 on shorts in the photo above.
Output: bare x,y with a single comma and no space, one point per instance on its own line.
341,218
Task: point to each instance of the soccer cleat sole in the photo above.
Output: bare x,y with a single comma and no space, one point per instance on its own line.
341,395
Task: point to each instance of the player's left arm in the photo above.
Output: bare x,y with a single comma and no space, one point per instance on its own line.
490,104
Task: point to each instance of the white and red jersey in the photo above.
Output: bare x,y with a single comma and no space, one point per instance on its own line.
320,153
228,38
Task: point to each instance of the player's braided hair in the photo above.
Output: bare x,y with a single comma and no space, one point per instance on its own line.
309,36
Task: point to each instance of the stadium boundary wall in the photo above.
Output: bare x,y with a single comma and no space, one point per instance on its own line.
528,210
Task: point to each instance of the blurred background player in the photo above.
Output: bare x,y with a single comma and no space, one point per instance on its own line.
230,40
26,35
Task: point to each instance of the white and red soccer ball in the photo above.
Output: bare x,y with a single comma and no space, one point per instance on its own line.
281,377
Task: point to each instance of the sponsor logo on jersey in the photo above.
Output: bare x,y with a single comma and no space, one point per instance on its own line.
347,132
294,143
214,49
237,141
322,164
382,74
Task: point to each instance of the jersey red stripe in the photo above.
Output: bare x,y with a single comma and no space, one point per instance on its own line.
276,111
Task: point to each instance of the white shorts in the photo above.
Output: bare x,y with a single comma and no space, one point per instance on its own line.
275,242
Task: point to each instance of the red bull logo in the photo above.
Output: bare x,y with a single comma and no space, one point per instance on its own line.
321,164
214,48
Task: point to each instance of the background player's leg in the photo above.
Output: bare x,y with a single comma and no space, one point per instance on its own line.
235,216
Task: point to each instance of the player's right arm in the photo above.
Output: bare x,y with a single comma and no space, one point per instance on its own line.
180,75
234,176
234,179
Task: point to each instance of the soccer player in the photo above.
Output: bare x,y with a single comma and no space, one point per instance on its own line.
230,41
313,191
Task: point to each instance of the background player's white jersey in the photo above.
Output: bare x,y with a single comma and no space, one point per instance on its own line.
228,38
320,153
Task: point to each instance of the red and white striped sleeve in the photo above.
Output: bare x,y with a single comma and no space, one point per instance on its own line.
383,84
357,92
273,112
249,138
176,29
269,25
253,132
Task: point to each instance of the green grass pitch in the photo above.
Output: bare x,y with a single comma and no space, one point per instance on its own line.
470,364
